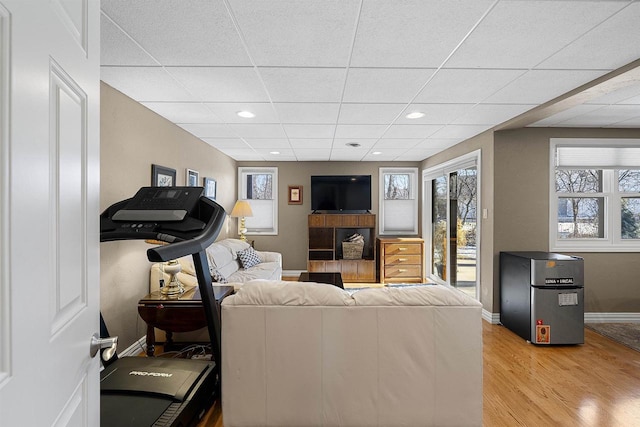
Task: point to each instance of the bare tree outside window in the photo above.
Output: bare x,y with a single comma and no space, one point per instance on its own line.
260,187
397,186
580,217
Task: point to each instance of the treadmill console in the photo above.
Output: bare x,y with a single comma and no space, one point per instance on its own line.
160,204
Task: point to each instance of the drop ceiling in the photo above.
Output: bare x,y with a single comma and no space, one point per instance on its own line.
321,74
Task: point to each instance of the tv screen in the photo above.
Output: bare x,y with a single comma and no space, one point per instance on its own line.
341,192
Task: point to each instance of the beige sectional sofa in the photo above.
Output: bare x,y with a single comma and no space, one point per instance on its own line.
307,354
223,257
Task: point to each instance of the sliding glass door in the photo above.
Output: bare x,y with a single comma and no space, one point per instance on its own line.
451,198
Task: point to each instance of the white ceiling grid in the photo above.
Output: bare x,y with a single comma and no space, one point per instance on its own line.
319,74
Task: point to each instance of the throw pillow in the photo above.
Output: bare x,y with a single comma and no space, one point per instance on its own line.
216,276
248,258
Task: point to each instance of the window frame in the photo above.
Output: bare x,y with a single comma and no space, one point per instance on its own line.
612,240
242,195
413,196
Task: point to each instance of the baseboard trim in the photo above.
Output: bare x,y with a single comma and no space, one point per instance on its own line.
612,318
135,349
494,318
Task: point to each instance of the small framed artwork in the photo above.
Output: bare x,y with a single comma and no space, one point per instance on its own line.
209,188
192,178
162,176
295,194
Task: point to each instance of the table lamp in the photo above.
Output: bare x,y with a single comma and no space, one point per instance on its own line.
172,268
241,210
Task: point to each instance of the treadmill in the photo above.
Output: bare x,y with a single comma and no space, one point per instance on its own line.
142,391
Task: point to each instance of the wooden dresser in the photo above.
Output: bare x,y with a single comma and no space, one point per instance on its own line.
401,259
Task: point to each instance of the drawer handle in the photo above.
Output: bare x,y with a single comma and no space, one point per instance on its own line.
402,259
402,249
402,270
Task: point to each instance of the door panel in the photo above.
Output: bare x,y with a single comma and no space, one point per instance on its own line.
50,203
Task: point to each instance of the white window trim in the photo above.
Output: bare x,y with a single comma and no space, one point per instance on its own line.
273,231
611,242
413,195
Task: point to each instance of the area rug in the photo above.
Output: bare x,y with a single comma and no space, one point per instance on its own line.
624,333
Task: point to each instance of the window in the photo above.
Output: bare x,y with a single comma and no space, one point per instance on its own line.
595,198
259,186
398,201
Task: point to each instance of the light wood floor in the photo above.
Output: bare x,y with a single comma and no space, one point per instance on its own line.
592,385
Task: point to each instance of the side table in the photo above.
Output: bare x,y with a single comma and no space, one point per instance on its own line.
171,314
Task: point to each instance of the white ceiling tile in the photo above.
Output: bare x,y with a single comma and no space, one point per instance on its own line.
221,84
341,143
247,154
397,143
343,155
268,143
178,32
309,143
434,114
369,113
384,155
118,49
604,116
258,130
384,85
411,131
490,114
303,84
631,123
459,131
625,95
228,112
521,34
438,143
183,112
294,33
309,131
145,84
540,86
418,154
313,154
610,45
209,130
415,33
465,86
360,131
275,153
565,115
223,143
300,113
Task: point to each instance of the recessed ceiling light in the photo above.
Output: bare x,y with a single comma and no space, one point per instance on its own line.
375,153
274,152
353,144
246,114
415,115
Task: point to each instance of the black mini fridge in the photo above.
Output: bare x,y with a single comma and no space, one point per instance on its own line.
542,296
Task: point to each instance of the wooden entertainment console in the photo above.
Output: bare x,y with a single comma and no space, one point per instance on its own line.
326,232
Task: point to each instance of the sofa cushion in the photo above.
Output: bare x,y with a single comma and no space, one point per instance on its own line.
279,292
413,295
264,270
248,257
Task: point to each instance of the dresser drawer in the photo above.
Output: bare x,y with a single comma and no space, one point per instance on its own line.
402,249
402,259
393,271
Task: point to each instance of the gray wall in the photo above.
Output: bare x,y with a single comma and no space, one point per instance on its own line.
133,138
292,236
515,190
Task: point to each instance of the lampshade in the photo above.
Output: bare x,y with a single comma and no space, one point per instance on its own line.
241,209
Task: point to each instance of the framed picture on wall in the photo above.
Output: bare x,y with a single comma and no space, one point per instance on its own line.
295,194
162,176
209,188
192,178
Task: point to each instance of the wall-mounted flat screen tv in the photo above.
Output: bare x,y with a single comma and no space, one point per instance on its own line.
341,193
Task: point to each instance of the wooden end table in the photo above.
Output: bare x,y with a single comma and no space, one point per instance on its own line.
171,314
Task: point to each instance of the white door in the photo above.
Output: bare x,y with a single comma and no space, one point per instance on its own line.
49,201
